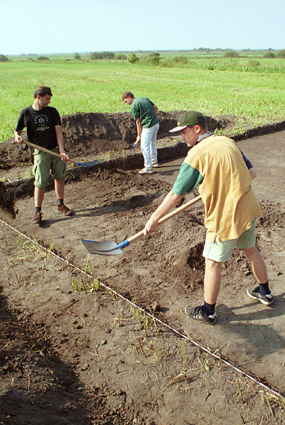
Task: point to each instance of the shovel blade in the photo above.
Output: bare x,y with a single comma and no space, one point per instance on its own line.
102,248
88,164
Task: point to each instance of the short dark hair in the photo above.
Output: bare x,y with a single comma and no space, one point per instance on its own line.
42,91
127,94
204,126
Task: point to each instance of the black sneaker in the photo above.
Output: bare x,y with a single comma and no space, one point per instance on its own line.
37,218
256,295
198,314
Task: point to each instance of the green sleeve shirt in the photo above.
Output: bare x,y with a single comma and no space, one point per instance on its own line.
142,108
188,178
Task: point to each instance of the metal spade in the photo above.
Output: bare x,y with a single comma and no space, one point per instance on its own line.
112,248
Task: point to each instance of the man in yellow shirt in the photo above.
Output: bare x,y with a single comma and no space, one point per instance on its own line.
224,175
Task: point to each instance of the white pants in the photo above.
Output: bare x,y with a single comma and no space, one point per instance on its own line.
148,145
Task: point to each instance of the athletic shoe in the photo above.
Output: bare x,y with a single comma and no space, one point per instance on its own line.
198,314
155,164
65,210
146,171
256,295
37,218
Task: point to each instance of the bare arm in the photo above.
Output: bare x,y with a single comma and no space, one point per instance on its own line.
60,142
139,129
155,109
167,204
17,136
252,173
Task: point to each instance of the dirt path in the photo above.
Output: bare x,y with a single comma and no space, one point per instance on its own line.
82,355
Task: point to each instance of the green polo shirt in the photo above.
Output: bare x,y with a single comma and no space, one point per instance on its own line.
142,108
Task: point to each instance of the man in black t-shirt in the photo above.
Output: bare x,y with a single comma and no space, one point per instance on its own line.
44,129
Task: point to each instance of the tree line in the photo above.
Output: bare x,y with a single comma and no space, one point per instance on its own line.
154,57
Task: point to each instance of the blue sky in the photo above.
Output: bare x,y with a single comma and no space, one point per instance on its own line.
55,26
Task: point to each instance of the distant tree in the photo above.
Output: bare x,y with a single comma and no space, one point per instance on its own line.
231,54
180,59
102,55
173,61
154,58
269,55
108,55
3,58
281,53
132,58
77,56
151,59
120,56
43,58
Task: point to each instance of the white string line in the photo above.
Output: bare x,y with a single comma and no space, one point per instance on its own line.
187,338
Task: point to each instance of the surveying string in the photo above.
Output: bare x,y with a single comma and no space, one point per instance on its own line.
187,338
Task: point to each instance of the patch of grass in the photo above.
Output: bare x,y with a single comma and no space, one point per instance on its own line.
273,402
85,285
247,88
239,393
30,249
143,319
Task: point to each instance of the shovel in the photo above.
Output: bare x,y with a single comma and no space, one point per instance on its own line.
111,248
79,164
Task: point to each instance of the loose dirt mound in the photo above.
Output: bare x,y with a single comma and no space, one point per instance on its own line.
93,133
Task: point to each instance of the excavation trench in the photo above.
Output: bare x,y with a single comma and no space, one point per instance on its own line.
161,273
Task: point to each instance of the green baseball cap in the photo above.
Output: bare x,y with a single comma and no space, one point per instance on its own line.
187,119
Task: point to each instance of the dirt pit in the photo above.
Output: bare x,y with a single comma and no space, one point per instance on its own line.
105,340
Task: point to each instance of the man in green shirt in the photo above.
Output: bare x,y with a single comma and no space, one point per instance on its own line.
223,174
144,112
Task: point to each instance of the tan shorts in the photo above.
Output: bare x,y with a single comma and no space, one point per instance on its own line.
221,251
43,164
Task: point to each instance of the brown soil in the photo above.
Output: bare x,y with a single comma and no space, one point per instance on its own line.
75,352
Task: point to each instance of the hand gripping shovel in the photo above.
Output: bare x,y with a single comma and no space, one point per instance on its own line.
111,248
79,164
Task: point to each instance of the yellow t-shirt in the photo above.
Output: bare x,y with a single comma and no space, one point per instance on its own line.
230,204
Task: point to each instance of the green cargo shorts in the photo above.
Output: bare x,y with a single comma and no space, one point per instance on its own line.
43,164
221,251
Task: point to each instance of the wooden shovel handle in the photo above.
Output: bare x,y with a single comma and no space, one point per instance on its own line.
42,149
179,209
168,216
46,151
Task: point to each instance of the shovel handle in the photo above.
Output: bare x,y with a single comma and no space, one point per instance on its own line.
40,148
168,216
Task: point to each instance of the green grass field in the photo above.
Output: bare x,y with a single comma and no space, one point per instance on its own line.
250,88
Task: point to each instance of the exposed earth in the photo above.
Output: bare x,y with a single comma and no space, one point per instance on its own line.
104,339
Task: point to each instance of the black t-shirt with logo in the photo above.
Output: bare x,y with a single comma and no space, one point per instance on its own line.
40,125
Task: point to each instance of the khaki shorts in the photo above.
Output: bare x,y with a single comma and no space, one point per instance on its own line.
43,164
221,251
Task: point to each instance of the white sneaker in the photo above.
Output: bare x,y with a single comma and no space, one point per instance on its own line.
146,171
155,164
